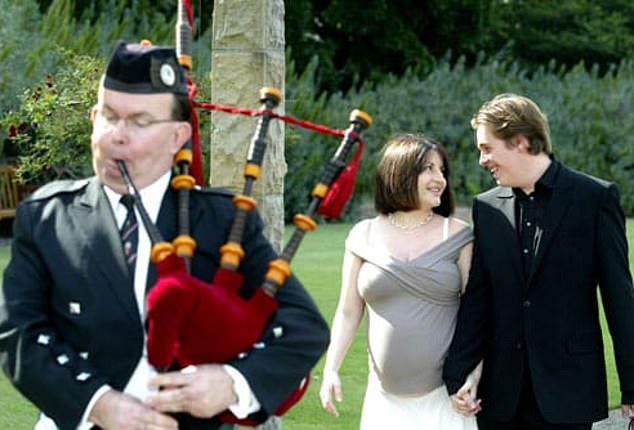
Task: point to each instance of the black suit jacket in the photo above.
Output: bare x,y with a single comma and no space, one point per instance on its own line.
547,320
69,321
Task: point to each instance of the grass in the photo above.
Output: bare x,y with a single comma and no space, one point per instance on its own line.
319,268
318,265
15,412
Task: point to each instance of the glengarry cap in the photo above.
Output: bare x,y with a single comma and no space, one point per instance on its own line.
142,68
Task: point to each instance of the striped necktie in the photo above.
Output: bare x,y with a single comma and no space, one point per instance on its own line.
129,232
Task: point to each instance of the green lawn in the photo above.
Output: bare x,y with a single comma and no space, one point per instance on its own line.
15,412
317,264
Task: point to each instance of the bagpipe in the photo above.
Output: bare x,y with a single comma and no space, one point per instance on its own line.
187,318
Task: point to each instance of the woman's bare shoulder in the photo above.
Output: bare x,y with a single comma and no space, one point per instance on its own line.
457,224
361,229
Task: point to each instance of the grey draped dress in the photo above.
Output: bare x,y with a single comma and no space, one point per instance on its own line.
412,307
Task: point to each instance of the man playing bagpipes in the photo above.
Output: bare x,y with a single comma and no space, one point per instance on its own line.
73,308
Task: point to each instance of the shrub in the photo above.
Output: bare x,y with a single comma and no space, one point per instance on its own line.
51,130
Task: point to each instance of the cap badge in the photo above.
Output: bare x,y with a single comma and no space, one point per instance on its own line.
167,74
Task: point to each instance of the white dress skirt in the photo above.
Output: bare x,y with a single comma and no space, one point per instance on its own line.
432,411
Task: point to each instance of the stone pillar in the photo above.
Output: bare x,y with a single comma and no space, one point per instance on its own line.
247,54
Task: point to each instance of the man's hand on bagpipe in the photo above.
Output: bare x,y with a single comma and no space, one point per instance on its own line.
188,391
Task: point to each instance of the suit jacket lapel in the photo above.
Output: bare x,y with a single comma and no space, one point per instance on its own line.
553,215
99,236
504,201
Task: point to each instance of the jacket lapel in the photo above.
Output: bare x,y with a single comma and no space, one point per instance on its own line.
99,237
505,203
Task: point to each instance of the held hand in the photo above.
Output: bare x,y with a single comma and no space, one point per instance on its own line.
118,411
202,391
330,384
466,401
627,411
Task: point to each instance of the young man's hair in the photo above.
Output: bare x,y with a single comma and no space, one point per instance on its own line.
509,115
396,181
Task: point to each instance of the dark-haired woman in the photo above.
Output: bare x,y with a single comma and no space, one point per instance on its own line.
407,267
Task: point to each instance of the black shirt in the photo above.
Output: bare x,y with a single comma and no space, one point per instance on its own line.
529,212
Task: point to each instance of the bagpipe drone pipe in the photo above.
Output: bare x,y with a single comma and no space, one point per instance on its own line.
181,309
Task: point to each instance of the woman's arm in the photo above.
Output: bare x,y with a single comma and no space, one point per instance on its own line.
344,327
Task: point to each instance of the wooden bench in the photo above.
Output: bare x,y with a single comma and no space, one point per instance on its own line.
9,192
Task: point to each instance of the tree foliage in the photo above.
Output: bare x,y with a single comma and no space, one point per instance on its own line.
568,31
361,40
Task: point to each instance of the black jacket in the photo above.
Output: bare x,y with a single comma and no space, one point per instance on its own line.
549,319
